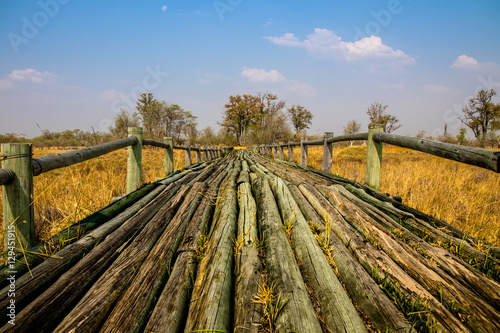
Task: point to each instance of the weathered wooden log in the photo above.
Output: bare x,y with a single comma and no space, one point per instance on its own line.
56,161
336,307
6,176
97,303
35,255
297,312
18,213
365,292
171,310
481,314
56,300
425,230
29,285
379,264
248,264
154,143
131,312
474,156
211,306
467,275
494,252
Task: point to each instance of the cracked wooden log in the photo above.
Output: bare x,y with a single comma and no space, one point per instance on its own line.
378,263
336,307
365,292
56,301
423,228
97,303
172,307
481,314
211,306
248,264
29,284
462,272
297,312
131,312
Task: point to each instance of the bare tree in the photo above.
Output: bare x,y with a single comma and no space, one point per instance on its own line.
481,115
377,114
352,127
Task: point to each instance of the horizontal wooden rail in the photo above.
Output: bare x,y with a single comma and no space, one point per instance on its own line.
375,138
474,156
6,176
154,143
56,161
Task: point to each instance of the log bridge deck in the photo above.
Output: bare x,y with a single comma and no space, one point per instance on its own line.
250,244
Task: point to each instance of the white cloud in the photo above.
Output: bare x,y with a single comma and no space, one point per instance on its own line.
111,95
163,8
261,75
466,62
31,75
435,88
326,44
273,76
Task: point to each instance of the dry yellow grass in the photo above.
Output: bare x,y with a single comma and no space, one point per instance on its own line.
465,196
67,195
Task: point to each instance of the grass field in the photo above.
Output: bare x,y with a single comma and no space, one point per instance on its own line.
465,196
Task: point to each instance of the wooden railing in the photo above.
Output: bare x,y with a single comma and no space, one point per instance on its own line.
376,137
19,168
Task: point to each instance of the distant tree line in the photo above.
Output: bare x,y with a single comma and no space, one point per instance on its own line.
259,119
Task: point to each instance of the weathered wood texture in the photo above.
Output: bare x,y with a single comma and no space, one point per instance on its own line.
56,161
18,214
470,155
192,252
6,176
134,160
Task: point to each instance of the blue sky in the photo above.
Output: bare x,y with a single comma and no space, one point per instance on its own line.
69,64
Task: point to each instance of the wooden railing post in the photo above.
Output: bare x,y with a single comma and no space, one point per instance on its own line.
275,152
134,161
282,154
188,154
327,152
290,152
198,153
18,212
168,156
303,153
373,158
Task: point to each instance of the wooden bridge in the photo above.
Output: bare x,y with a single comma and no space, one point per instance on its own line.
247,243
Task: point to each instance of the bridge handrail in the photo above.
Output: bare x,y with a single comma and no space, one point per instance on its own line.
482,158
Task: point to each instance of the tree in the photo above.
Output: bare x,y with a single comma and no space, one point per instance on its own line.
301,118
123,121
150,110
481,115
352,127
240,114
268,106
377,114
461,139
